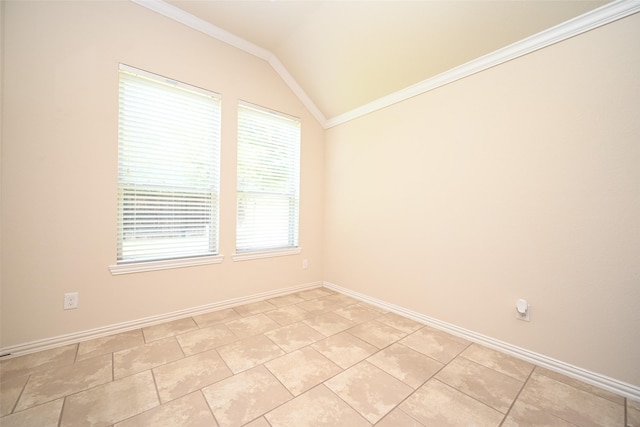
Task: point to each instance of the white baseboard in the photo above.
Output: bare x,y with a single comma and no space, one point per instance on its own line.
618,387
76,337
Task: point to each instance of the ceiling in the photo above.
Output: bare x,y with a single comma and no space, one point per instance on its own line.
345,54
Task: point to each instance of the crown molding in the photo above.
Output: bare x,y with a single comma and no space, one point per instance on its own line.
203,26
603,15
224,36
596,18
297,89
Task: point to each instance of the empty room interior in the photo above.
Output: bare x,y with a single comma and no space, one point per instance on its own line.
406,213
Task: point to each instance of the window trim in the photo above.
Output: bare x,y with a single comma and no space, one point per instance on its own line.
255,253
245,256
165,264
135,266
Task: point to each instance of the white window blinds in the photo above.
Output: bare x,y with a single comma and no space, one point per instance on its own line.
168,169
268,180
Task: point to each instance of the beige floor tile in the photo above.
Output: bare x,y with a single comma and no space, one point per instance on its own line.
369,390
569,403
342,300
329,323
315,293
111,402
216,317
524,415
205,339
46,415
169,329
10,390
249,352
285,300
633,413
358,313
318,407
397,418
433,344
34,362
581,385
251,325
379,309
144,357
409,366
437,404
490,387
260,422
294,336
244,397
189,374
254,308
303,369
287,315
508,365
319,305
344,349
400,322
376,333
109,344
55,383
188,411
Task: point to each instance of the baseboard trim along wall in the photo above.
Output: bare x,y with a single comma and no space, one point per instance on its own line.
61,340
624,389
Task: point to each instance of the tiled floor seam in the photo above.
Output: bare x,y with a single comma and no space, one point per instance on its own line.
155,385
64,403
517,396
432,377
208,406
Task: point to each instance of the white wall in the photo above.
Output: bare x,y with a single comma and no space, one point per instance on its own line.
59,165
522,181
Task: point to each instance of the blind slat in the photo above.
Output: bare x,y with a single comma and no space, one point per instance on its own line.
168,169
268,180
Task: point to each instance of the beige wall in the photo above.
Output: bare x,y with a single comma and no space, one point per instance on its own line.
522,181
59,164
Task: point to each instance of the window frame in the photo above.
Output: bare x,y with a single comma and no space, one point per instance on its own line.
176,260
257,253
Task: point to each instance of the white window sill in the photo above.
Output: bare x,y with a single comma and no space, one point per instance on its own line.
137,267
244,256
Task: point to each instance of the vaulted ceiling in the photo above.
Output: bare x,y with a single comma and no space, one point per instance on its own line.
346,54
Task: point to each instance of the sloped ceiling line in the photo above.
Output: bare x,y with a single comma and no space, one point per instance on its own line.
224,36
573,27
603,15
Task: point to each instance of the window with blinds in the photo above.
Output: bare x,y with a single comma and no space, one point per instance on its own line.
168,169
268,180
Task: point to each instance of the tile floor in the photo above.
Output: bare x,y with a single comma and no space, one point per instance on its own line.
311,358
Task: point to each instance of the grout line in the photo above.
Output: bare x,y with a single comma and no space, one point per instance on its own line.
155,384
341,369
524,384
64,403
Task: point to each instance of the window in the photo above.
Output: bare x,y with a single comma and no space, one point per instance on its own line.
268,180
168,169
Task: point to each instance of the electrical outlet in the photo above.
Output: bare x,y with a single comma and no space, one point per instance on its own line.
305,263
523,310
70,300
